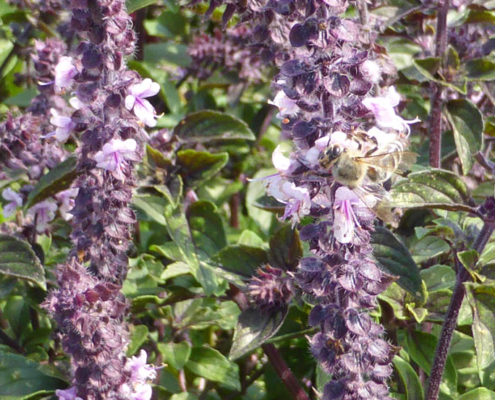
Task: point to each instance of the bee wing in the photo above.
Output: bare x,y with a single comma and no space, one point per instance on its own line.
376,198
397,162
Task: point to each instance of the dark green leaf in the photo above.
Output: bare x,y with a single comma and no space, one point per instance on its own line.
17,313
139,335
467,124
20,377
478,394
253,329
56,180
17,259
480,16
241,259
134,5
480,69
482,301
394,258
196,257
409,378
157,158
269,203
421,347
208,126
175,354
452,61
212,365
285,249
435,188
196,167
207,227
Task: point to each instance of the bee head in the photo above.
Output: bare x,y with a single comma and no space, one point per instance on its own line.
330,155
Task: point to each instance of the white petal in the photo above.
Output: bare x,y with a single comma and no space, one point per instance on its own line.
145,112
9,210
280,162
343,230
129,101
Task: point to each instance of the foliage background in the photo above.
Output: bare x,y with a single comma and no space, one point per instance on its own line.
204,229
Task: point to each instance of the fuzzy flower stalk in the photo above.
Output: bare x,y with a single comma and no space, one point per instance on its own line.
110,108
329,108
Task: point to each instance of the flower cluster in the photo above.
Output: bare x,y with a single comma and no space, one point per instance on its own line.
228,52
270,289
109,111
328,73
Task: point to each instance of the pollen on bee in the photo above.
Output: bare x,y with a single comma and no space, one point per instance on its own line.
285,121
80,255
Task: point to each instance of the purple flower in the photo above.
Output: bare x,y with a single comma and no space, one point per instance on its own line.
347,206
383,110
135,100
140,371
286,106
67,394
64,126
15,201
64,73
114,154
296,198
44,212
66,199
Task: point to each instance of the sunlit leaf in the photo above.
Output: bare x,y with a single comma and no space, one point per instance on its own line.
467,124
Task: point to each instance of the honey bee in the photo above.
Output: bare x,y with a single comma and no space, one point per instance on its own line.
364,170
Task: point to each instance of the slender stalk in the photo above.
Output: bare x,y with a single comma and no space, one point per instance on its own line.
6,339
436,101
450,322
274,356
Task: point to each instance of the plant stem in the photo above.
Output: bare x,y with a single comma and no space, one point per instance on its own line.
450,322
284,372
10,342
436,101
274,356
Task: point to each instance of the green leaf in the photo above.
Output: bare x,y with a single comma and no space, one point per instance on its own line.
207,227
253,329
175,354
134,5
438,277
170,52
421,348
20,377
17,259
435,188
478,394
285,249
428,248
210,126
482,301
56,180
212,365
150,208
184,396
428,67
409,379
196,167
249,238
394,258
184,235
481,69
467,124
138,337
17,313
241,259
